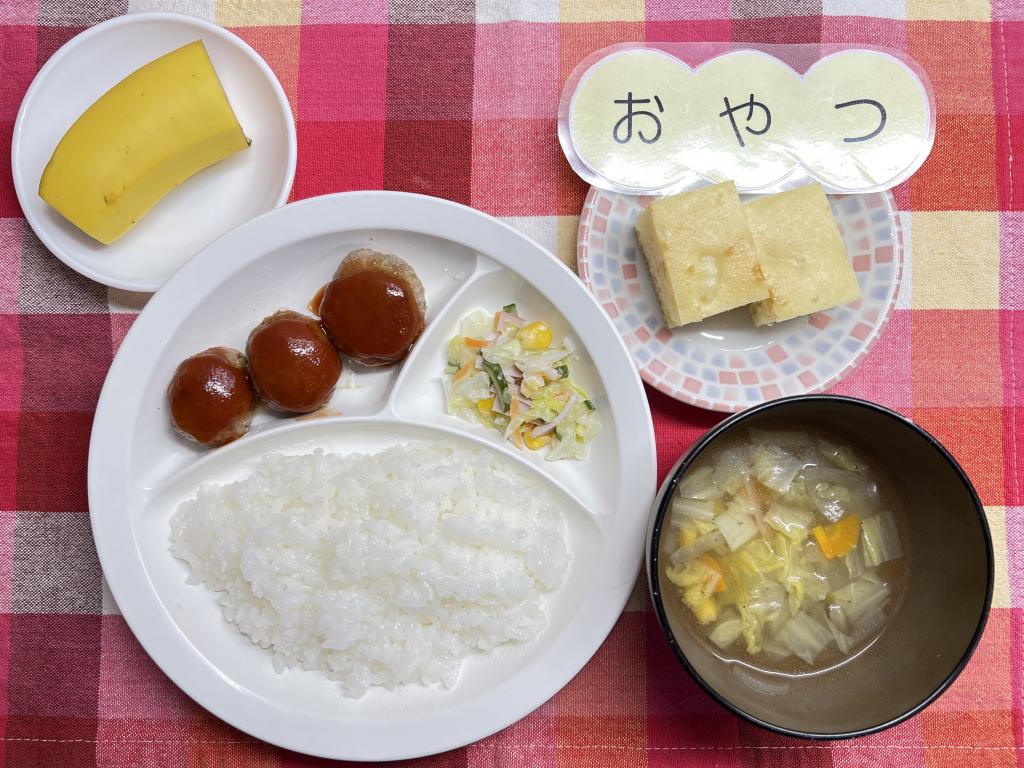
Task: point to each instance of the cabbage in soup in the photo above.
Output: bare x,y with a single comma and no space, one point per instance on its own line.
786,550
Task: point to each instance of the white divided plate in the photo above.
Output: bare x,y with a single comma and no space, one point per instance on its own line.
205,206
139,470
726,363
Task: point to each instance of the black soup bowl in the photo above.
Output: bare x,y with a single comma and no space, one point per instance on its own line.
936,626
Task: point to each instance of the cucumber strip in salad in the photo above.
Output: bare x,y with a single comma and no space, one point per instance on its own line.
508,374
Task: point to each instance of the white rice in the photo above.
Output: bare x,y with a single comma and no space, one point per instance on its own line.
383,569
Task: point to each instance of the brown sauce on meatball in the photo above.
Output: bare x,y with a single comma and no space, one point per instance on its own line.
292,363
314,303
211,397
373,313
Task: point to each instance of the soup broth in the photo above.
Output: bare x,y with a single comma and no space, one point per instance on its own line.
787,550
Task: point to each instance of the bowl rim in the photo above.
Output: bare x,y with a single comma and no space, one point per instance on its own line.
664,501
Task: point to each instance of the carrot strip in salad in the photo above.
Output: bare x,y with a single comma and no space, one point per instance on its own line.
464,371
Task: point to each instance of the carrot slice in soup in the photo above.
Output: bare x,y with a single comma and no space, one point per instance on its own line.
840,538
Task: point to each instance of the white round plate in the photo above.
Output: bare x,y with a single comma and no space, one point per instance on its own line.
205,206
139,470
726,363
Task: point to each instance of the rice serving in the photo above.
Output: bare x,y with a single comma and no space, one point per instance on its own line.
378,570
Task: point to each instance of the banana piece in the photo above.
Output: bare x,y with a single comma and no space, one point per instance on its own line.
160,125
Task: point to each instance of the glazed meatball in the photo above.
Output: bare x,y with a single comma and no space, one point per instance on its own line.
211,397
373,309
292,363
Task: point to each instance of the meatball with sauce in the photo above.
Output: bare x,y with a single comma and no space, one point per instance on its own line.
374,307
211,397
292,362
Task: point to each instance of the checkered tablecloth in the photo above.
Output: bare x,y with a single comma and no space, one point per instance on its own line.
459,99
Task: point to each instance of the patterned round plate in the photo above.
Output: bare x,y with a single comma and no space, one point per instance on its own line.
726,363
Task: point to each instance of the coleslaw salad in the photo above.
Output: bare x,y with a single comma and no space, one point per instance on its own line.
506,373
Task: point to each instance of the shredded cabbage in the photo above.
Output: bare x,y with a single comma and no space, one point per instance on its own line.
842,456
866,595
469,390
838,492
789,520
696,508
539,362
737,526
505,350
727,631
703,543
881,541
804,636
476,325
700,484
568,448
791,440
732,470
774,467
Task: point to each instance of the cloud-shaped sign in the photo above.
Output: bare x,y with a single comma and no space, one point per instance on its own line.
638,119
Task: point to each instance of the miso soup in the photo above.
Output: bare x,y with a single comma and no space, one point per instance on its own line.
787,550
